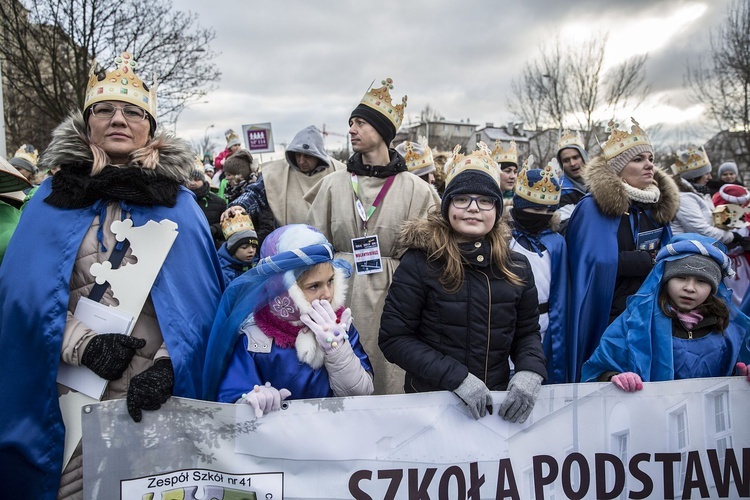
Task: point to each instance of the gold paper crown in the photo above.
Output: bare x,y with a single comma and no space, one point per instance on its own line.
570,138
239,222
730,216
479,160
500,155
543,191
231,136
121,84
689,159
414,160
28,153
620,140
380,100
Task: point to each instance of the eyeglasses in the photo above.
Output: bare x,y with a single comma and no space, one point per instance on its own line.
463,201
130,112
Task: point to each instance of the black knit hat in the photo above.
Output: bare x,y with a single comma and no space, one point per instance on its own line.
378,120
472,182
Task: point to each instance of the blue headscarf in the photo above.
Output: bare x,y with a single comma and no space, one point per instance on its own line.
640,339
285,254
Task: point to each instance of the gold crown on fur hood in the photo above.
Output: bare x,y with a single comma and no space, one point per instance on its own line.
620,140
121,84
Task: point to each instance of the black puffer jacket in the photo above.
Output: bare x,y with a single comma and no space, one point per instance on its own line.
213,206
438,337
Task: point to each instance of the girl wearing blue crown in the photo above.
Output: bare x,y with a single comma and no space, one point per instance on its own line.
282,331
462,304
680,324
534,227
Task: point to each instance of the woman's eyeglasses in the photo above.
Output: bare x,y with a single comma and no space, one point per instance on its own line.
130,112
463,201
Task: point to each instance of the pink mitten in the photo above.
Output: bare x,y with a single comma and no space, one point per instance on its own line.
742,370
265,398
321,320
628,381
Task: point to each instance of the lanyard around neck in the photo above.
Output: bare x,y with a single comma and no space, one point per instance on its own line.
365,216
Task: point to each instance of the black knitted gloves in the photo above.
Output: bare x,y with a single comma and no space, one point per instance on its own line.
151,388
109,354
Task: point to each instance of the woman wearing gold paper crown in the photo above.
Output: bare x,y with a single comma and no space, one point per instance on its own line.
461,303
613,236
116,170
360,210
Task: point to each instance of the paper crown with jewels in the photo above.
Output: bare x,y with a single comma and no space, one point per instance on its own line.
379,99
691,160
731,203
417,155
620,140
232,138
478,160
502,155
239,222
121,84
569,139
538,186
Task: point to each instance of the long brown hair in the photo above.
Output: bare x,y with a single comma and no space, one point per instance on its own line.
712,306
444,249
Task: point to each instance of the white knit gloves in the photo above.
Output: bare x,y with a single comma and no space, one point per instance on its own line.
329,331
264,398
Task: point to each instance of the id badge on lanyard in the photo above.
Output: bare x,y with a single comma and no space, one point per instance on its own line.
366,249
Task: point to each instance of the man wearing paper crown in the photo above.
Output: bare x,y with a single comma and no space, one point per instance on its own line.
418,158
613,235
360,210
114,166
462,304
572,157
238,253
534,227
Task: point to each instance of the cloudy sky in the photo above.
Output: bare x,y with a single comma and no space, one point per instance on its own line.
296,63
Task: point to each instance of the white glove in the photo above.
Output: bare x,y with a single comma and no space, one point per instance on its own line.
329,331
264,399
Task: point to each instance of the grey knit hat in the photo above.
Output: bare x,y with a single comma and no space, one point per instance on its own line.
697,265
618,162
729,166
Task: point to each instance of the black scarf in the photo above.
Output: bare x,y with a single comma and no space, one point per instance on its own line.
395,165
701,189
529,222
74,187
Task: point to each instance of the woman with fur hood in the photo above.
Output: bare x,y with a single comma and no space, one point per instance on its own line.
114,166
613,236
461,303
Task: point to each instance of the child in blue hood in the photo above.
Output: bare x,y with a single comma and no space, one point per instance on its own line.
709,335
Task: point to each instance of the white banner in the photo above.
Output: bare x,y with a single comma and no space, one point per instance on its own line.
686,439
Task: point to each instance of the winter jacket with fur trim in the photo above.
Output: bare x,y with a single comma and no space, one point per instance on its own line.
439,337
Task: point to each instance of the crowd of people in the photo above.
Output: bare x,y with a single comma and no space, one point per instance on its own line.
504,279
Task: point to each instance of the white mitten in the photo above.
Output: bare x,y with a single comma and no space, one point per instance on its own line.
329,331
264,398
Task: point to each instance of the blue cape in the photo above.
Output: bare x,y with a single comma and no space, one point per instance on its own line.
555,339
640,339
594,253
34,292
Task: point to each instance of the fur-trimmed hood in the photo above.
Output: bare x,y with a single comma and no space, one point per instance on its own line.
684,185
165,154
420,233
609,192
